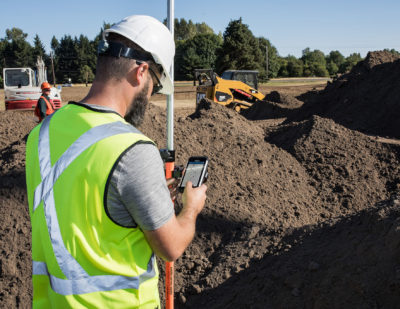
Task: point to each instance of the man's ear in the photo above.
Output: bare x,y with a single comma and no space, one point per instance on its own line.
140,73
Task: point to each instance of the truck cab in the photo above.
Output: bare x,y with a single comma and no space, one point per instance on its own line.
22,89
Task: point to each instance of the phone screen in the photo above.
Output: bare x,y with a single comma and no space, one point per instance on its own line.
193,173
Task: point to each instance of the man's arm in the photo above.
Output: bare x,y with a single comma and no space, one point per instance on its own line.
170,240
42,108
138,191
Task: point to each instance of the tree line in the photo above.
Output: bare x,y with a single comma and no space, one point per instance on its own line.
197,47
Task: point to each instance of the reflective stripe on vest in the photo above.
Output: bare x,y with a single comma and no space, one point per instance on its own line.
78,281
49,105
92,284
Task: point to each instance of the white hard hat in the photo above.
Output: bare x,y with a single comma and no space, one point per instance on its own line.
155,38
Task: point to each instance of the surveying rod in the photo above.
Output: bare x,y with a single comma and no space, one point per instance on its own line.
169,166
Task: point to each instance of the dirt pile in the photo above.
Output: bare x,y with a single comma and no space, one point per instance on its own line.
15,230
352,262
282,98
275,105
240,158
367,99
276,202
347,178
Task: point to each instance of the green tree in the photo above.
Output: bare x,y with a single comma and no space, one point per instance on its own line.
334,61
294,66
17,51
314,63
86,74
290,66
350,62
198,52
319,70
86,53
283,71
203,28
67,59
183,30
54,43
273,63
240,49
38,48
332,67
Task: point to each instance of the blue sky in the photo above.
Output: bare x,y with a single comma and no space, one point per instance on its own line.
291,26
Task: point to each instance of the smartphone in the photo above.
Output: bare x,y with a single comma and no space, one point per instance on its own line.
196,172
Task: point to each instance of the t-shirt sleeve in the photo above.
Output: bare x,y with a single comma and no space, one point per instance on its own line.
139,182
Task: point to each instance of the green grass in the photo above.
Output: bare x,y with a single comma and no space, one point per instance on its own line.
297,81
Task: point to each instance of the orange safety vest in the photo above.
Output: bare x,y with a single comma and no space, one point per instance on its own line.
49,110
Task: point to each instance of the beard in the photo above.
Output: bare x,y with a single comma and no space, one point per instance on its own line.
137,109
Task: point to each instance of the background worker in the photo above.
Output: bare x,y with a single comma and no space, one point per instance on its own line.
98,200
44,106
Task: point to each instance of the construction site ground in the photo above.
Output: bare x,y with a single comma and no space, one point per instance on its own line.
303,199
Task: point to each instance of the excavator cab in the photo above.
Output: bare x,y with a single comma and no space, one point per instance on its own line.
248,77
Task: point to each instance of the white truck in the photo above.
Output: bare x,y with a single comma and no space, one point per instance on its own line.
22,87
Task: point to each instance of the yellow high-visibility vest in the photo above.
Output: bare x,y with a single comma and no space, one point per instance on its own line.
81,258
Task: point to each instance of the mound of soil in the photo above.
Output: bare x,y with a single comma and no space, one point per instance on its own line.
367,99
239,158
275,105
282,98
347,178
352,262
15,229
280,195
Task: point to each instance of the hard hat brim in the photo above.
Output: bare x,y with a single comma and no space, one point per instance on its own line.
168,85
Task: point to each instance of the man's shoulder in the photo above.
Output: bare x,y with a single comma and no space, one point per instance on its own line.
142,150
141,157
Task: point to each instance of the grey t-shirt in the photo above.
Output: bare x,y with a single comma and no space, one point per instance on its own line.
136,192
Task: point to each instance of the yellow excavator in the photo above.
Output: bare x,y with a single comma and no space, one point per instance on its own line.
235,89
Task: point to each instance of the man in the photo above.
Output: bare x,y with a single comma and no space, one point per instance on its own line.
98,200
44,106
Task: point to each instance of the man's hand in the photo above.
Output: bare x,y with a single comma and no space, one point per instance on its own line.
170,240
194,198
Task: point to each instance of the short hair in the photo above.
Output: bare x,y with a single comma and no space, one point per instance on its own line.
109,67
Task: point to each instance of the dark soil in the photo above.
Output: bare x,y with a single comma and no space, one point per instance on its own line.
300,214
367,99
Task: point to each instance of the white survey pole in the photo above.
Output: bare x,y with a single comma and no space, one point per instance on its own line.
170,97
170,164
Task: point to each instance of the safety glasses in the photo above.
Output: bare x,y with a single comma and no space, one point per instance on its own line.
157,86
